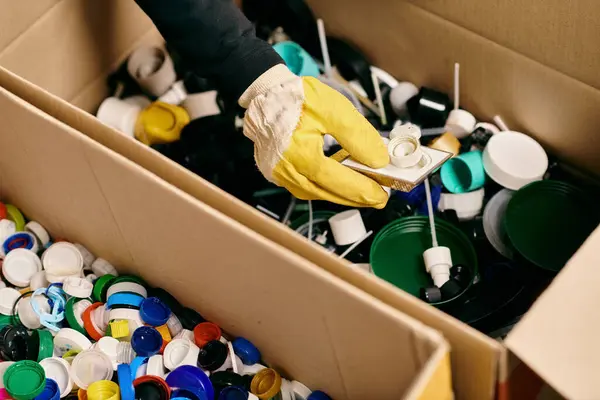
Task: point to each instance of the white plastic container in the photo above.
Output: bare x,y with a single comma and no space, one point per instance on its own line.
347,227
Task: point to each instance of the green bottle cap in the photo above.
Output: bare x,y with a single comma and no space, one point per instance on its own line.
24,380
101,286
46,344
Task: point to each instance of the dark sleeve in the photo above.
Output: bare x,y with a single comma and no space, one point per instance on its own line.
215,39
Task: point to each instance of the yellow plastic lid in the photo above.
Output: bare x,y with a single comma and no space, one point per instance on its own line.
160,123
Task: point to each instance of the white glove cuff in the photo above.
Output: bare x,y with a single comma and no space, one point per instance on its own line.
277,75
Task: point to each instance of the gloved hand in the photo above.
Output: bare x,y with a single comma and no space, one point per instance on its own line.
287,117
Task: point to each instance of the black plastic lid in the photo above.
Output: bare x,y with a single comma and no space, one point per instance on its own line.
189,318
223,379
149,391
14,343
166,298
212,355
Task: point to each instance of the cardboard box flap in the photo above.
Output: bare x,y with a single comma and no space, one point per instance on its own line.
558,338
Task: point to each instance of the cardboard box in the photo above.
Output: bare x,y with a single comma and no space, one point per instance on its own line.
308,323
532,62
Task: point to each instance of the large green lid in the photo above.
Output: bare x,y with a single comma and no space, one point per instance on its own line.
25,380
101,286
547,221
397,252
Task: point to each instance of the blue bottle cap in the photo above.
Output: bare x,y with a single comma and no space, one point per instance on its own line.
318,395
233,393
125,382
124,299
188,376
51,391
246,351
154,312
190,394
136,364
19,240
146,341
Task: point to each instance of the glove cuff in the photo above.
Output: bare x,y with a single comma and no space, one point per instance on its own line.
276,75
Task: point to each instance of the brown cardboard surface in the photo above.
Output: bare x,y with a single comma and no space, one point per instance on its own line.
17,16
306,321
471,350
558,337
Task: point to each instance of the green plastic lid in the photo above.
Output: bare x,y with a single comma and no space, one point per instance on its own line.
547,221
397,252
25,380
70,314
6,320
101,286
130,278
46,344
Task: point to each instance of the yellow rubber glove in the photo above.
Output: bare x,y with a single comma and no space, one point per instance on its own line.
287,117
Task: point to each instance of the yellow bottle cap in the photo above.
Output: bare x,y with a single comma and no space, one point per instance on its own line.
103,390
266,384
119,329
447,142
160,123
164,332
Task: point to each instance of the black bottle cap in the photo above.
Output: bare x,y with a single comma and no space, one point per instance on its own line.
149,391
223,379
14,343
213,355
166,298
450,289
429,108
431,294
461,274
189,318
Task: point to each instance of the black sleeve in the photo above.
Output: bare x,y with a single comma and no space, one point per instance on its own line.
215,39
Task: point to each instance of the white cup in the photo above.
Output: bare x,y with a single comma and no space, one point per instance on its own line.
153,69
119,114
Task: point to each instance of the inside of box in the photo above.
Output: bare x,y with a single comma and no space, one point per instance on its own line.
306,322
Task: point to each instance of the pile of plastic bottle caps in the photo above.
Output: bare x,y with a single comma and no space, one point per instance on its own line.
70,326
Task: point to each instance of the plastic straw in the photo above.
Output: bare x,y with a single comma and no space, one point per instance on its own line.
310,220
324,49
355,244
434,241
289,211
379,99
501,124
456,85
267,211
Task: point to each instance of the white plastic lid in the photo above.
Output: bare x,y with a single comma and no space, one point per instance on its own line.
301,391
57,369
252,369
131,316
39,231
467,205
347,227
460,123
131,287
286,392
180,352
175,95
156,366
88,257
91,366
26,314
405,151
101,317
119,114
101,267
38,280
174,325
438,261
8,297
3,367
20,265
493,222
78,287
109,346
514,160
69,339
185,334
7,228
58,278
400,95
62,259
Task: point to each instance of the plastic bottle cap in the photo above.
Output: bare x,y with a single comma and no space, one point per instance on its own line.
286,392
347,227
155,382
174,325
161,123
38,280
252,369
301,391
124,300
3,367
463,173
8,298
125,382
146,341
131,316
467,205
438,261
213,356
101,286
156,366
186,334
180,352
39,231
27,316
101,267
461,123
139,100
513,160
154,312
247,352
405,151
51,391
233,393
109,346
7,228
488,127
46,344
127,287
266,384
88,257
176,95
77,287
152,67
20,265
20,240
189,376
25,380
16,216
206,332
90,366
74,310
400,95
89,325
199,105
119,329
62,259
103,390
318,395
3,211
119,114
446,142
69,339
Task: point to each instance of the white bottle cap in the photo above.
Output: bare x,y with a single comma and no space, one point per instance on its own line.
405,130
88,257
488,127
153,69
286,392
252,369
400,95
8,297
438,261
101,317
91,366
139,100
102,267
77,287
78,309
460,123
20,265
3,367
131,316
28,317
405,151
513,160
39,231
62,259
58,369
199,105
69,339
7,228
180,352
125,353
108,345
176,95
347,227
185,334
467,205
131,287
2,284
58,278
174,325
300,390
119,114
38,280
156,366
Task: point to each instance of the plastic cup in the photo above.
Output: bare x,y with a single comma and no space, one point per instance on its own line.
464,173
